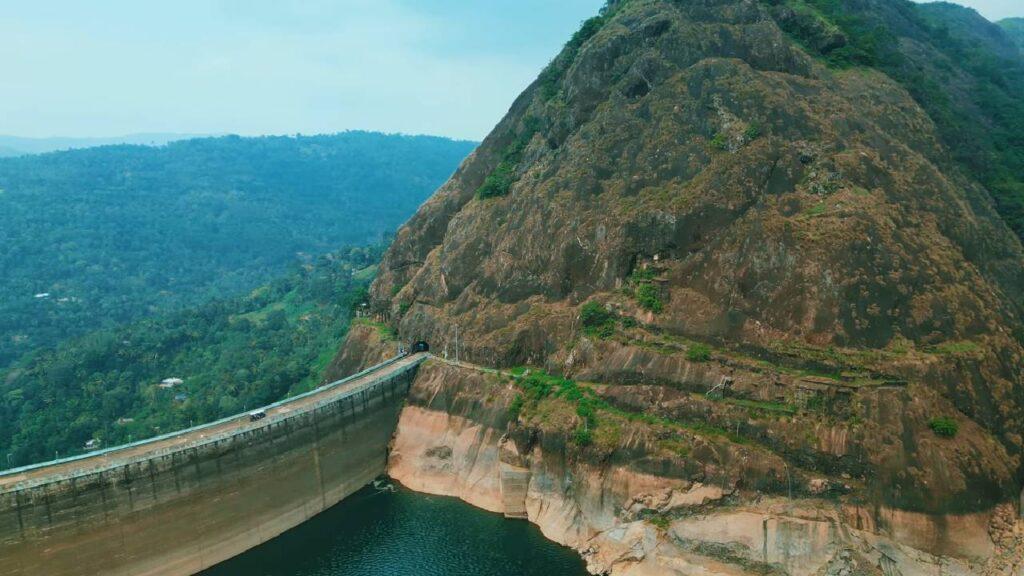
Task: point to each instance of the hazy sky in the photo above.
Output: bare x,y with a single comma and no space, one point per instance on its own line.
112,67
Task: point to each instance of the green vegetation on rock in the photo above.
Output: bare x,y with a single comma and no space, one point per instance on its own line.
838,256
698,353
944,426
597,320
551,77
499,182
595,418
645,291
972,89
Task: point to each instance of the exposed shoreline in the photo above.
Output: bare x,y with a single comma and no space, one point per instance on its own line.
625,522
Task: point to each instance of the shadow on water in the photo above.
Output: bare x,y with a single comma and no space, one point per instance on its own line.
403,533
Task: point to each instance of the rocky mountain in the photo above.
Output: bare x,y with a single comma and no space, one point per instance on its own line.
779,236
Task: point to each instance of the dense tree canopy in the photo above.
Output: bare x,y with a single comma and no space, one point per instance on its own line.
231,354
99,237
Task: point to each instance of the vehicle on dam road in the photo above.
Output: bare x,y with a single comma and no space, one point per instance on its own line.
256,415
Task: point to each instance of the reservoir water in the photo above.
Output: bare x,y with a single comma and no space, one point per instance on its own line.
403,533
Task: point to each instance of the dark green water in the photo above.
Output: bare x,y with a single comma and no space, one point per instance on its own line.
403,533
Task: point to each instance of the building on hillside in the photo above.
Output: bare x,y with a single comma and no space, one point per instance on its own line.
171,382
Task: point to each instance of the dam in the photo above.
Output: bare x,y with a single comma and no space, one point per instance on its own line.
177,504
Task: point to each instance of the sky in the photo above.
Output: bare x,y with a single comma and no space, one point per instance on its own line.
448,67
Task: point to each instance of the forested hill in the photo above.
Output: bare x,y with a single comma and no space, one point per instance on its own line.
102,236
1014,28
231,354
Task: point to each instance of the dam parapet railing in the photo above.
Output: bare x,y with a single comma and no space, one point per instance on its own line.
114,462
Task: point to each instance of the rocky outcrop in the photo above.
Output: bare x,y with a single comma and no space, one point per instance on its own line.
695,171
455,438
776,272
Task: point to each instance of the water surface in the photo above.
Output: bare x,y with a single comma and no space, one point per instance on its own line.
404,533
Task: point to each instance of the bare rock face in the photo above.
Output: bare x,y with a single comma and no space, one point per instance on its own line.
696,172
629,518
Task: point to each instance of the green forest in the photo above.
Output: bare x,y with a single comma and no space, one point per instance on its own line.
1014,28
231,354
99,237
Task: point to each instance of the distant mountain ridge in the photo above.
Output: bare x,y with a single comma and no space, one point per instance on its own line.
19,145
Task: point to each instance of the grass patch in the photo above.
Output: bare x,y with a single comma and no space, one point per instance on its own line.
944,426
818,209
383,330
961,348
720,142
698,353
762,405
366,274
595,414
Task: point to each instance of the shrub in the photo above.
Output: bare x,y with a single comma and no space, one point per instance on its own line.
698,353
660,521
585,410
582,437
944,426
499,182
647,296
753,132
537,387
597,320
516,407
720,142
595,314
641,275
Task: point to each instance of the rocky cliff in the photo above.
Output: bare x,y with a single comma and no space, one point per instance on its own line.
722,216
643,508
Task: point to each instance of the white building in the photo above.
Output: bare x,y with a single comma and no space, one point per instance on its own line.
171,382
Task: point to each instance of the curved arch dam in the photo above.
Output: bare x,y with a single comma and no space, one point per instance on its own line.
178,504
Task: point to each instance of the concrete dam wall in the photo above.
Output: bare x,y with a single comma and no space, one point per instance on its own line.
182,504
